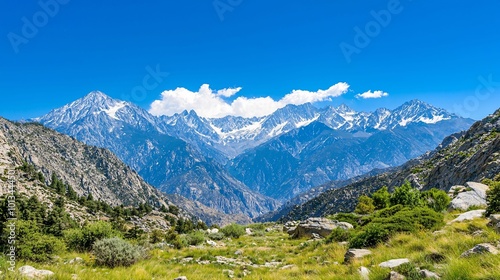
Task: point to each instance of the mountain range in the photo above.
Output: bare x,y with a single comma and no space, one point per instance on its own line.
251,166
469,156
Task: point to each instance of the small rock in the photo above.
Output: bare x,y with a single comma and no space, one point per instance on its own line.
429,274
31,272
238,253
181,278
76,260
316,236
396,276
290,266
269,229
74,277
186,260
469,216
212,230
364,272
484,248
249,231
228,272
211,243
353,254
394,263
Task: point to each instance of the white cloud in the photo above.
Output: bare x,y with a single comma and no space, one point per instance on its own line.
211,104
370,94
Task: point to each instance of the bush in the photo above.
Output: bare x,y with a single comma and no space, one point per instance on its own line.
74,239
113,252
157,236
406,195
339,235
372,235
39,247
493,197
233,230
180,241
381,198
30,243
411,220
195,238
84,239
216,236
365,205
437,200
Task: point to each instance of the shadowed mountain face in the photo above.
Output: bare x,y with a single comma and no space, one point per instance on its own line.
250,165
469,156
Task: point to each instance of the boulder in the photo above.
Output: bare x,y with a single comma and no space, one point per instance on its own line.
353,254
320,226
31,272
289,227
468,216
484,248
428,274
475,195
212,230
495,222
364,273
212,243
395,276
248,231
394,263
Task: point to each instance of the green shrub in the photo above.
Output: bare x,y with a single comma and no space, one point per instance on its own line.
233,230
372,235
381,198
39,247
84,239
339,235
406,195
195,238
75,240
113,252
411,220
365,205
157,236
216,236
180,241
437,200
493,197
30,242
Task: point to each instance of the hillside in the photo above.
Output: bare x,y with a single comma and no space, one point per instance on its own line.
470,156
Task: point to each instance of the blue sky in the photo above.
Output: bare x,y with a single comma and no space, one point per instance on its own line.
443,52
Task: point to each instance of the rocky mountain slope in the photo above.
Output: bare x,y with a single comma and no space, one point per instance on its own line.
470,156
88,169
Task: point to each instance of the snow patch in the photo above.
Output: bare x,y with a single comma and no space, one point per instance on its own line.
306,122
114,109
435,119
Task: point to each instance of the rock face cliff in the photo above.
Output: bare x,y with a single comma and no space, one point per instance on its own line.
470,156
